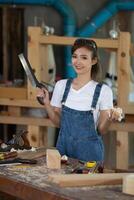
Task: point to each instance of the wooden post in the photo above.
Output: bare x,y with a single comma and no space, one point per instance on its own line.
123,72
37,135
122,151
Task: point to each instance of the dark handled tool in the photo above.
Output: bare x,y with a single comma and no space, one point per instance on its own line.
18,160
89,167
7,155
31,76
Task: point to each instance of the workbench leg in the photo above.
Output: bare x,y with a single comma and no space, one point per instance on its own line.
122,151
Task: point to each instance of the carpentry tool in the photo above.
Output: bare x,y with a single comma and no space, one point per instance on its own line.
90,164
32,78
18,160
7,155
89,167
19,141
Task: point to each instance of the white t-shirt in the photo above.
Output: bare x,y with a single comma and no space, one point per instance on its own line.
82,99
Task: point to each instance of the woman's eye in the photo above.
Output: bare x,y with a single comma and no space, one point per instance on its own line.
84,57
73,56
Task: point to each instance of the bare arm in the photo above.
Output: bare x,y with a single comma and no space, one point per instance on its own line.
54,113
104,122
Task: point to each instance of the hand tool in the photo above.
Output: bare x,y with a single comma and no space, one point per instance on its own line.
19,141
7,155
89,167
18,160
32,78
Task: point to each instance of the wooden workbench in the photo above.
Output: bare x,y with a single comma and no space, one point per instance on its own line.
31,183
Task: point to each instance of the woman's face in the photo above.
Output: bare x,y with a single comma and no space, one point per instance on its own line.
82,60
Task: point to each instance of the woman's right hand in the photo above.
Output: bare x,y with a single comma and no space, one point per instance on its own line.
43,96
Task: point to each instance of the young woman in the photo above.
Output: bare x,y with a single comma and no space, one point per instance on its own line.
82,107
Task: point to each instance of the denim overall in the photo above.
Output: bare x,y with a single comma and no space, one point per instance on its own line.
78,137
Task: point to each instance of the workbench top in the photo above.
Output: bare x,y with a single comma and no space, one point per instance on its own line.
30,182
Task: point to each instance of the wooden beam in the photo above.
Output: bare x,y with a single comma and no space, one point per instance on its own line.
61,40
123,71
26,121
20,103
123,127
13,93
128,126
37,136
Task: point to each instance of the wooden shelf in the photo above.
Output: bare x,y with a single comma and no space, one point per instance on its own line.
13,92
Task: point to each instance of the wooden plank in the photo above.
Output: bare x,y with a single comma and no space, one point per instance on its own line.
72,180
123,127
20,103
34,57
44,75
14,93
122,150
47,122
39,152
123,71
61,40
26,121
129,108
37,136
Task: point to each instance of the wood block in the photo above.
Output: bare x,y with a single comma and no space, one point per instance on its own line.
128,184
53,159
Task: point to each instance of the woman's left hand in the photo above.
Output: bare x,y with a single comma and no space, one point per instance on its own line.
116,114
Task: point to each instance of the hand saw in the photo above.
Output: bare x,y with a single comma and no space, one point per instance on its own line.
31,76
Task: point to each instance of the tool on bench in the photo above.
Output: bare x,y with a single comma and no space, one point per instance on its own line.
89,167
18,160
32,78
19,141
7,155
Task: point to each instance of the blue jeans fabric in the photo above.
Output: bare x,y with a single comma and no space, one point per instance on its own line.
78,137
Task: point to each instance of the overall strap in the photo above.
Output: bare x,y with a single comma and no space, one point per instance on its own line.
96,95
67,88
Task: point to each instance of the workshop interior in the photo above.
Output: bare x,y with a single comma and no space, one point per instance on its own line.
35,51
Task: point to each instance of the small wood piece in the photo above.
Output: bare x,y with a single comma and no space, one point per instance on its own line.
53,159
40,152
128,184
73,180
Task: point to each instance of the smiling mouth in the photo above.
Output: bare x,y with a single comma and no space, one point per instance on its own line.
79,68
